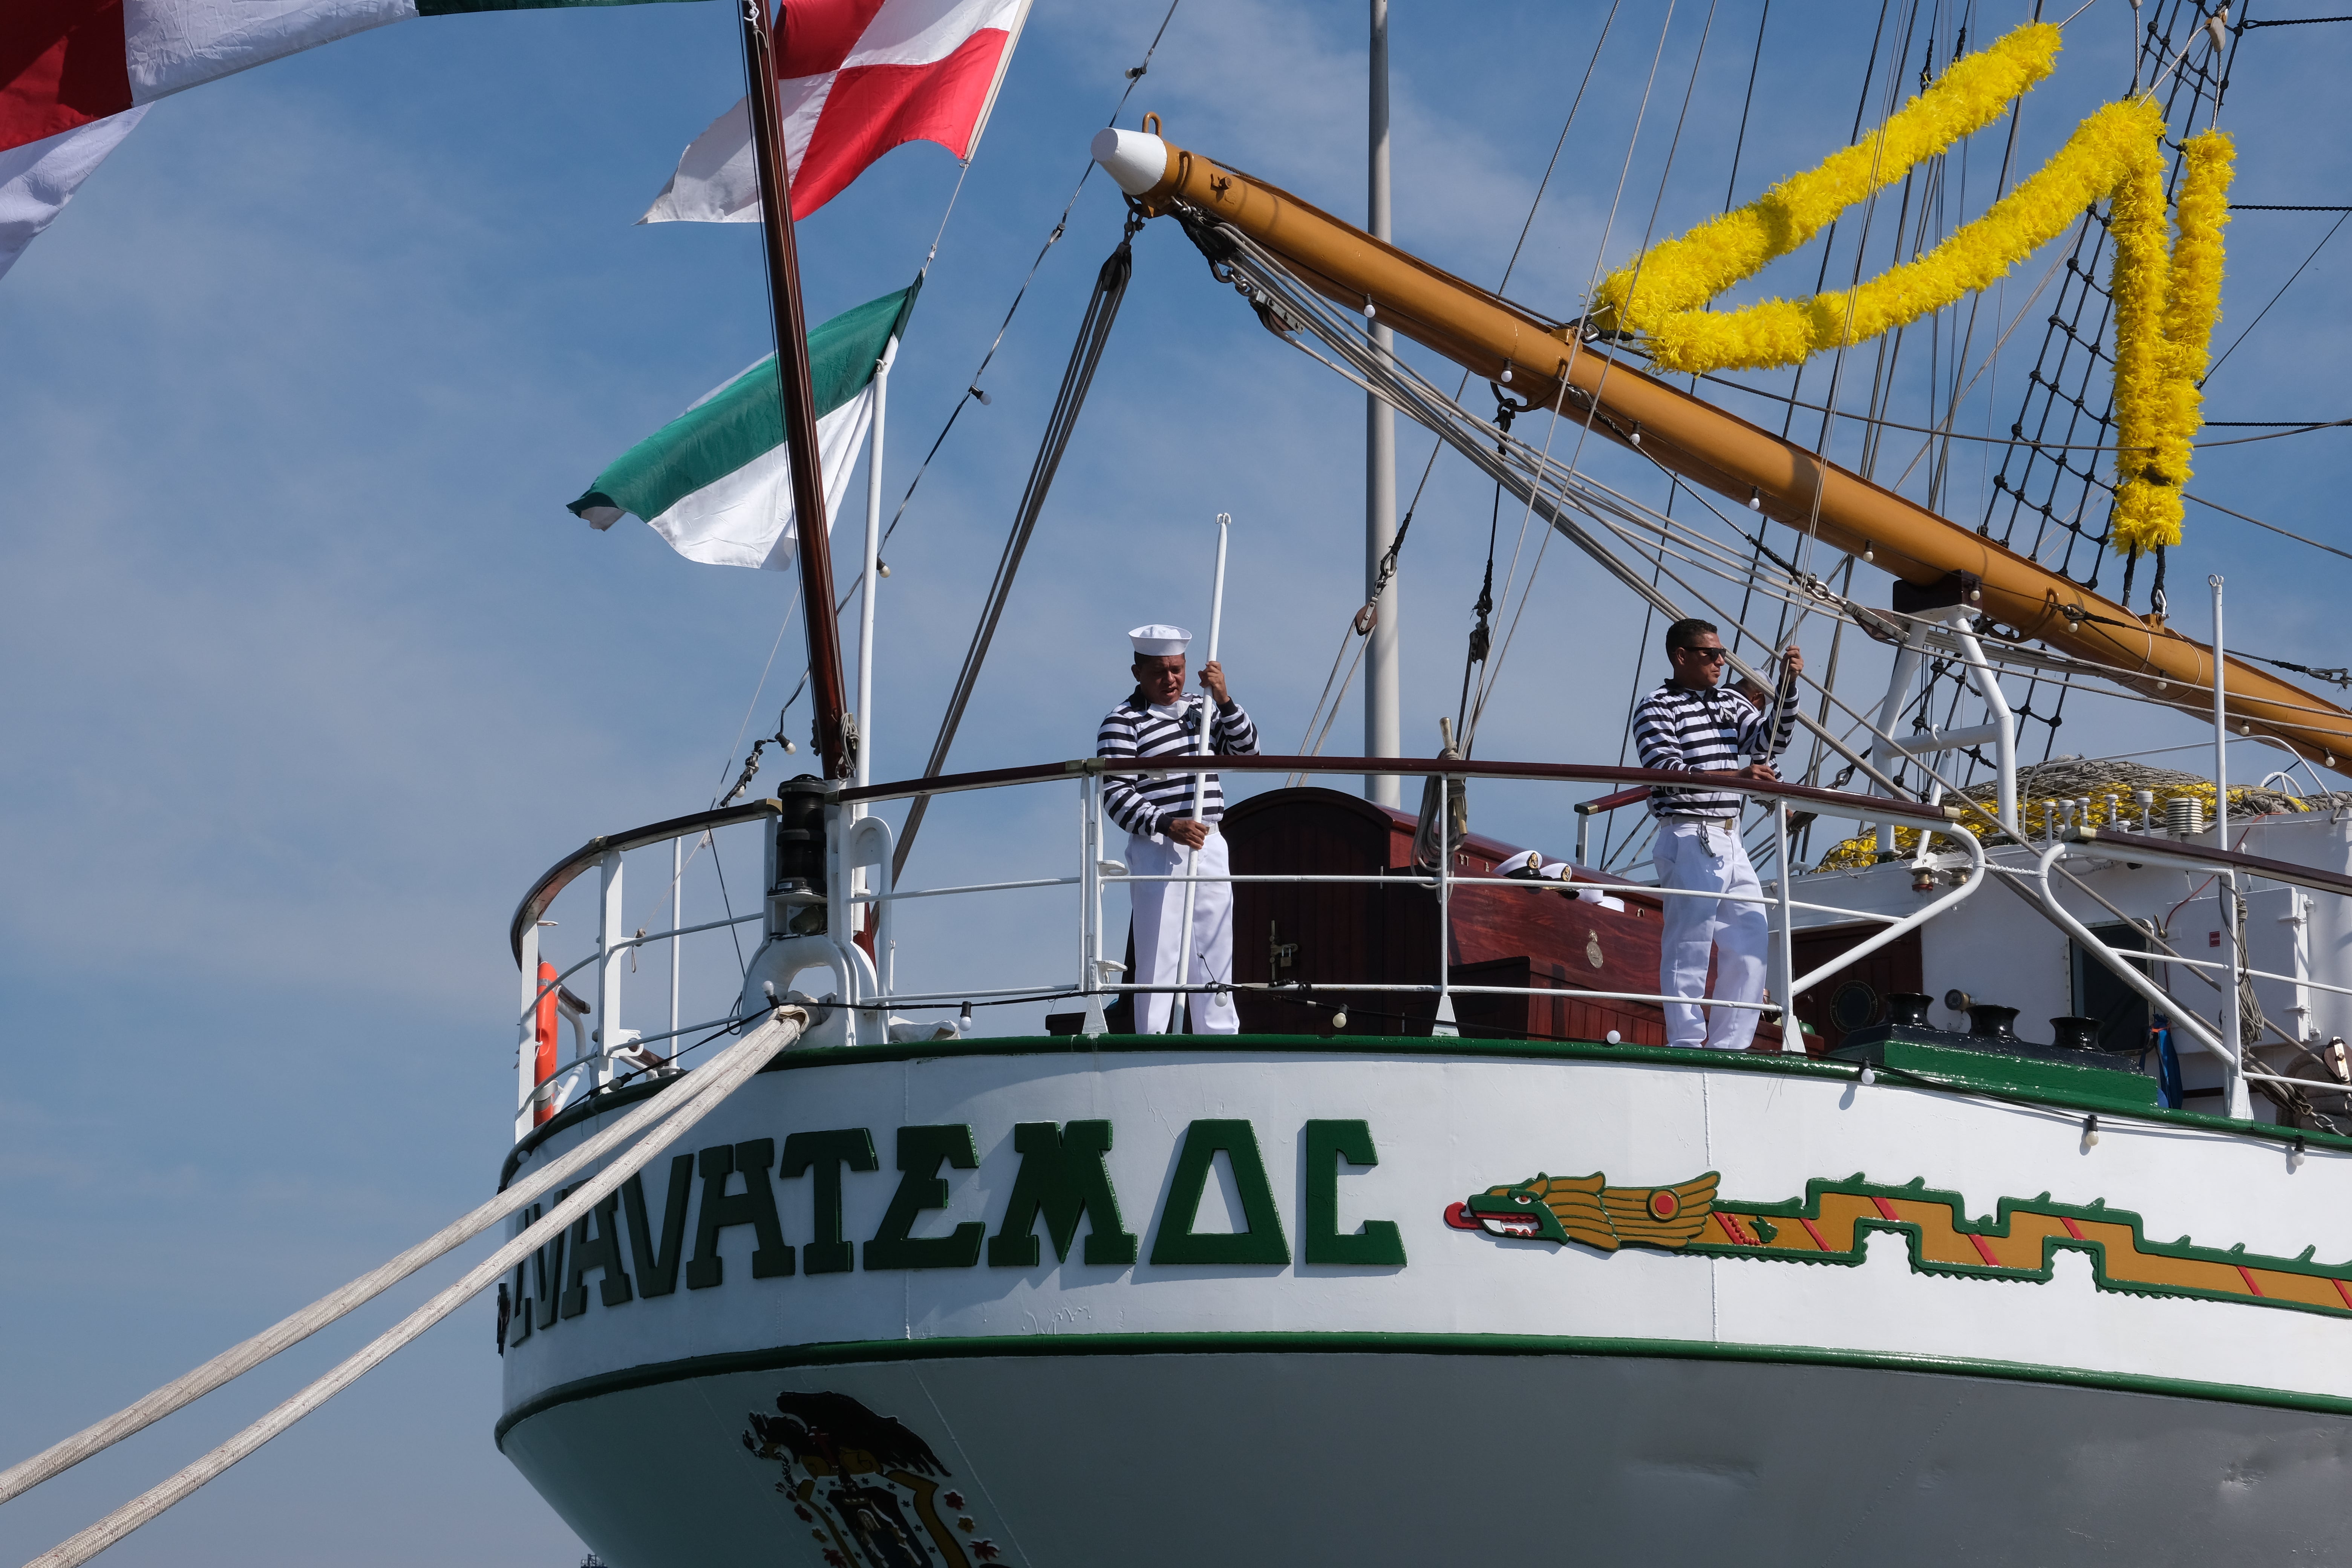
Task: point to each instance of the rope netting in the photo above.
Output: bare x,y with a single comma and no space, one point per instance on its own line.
2051,500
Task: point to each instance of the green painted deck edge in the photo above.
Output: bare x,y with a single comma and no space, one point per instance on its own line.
1964,1076
2103,1086
846,1352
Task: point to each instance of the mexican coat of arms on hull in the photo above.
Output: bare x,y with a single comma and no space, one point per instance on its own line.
867,1485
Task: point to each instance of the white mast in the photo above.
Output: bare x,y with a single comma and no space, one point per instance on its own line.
1383,732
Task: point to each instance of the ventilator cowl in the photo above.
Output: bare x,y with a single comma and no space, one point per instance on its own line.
1136,159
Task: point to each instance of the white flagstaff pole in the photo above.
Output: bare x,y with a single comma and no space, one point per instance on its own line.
1383,723
873,566
1200,780
2236,1101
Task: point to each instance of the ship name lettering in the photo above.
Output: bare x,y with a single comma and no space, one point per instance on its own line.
633,1250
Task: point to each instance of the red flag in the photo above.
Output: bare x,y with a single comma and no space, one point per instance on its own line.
856,77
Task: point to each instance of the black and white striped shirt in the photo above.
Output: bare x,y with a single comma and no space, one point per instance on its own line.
1136,729
1704,730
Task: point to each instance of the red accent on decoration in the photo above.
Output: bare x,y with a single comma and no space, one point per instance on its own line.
2072,1228
817,36
2341,1290
62,63
1811,1232
1663,1205
872,108
2248,1274
1885,1209
1984,1251
1457,1215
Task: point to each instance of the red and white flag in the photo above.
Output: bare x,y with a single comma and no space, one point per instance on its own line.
76,75
856,78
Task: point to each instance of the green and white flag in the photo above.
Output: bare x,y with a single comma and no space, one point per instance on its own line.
716,481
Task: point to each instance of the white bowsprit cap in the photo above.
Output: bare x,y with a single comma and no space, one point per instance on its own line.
1154,641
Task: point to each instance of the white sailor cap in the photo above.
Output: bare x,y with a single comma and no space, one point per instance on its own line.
1154,641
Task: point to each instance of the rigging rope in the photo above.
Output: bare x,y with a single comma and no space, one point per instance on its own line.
1086,356
1576,340
1061,226
2258,522
2280,295
1311,741
2064,401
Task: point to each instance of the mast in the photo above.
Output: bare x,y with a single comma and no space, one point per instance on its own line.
799,400
1383,727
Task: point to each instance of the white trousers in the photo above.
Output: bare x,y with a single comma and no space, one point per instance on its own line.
1160,934
1708,857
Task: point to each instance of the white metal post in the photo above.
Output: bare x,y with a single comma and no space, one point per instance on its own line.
677,920
609,931
840,915
2004,726
2297,919
1383,723
1090,915
1087,874
2240,1104
1184,998
1886,752
1441,1022
527,1041
1784,947
2221,732
873,570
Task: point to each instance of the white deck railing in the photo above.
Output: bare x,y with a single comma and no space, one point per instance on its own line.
864,991
2231,872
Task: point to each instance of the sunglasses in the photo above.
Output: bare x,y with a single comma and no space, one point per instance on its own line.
1712,655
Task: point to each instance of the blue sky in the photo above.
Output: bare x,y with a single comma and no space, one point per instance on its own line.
309,673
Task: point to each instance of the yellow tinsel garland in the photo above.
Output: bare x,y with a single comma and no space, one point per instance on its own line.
2135,283
1861,852
2165,304
2162,343
1683,273
2114,146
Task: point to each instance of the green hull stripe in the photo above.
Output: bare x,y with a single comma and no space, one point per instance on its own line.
745,419
867,1352
1243,1048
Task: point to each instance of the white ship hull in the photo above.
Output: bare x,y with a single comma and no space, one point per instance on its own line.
1882,1373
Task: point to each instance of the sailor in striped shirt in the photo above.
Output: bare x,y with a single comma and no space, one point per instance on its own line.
1691,724
1156,721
